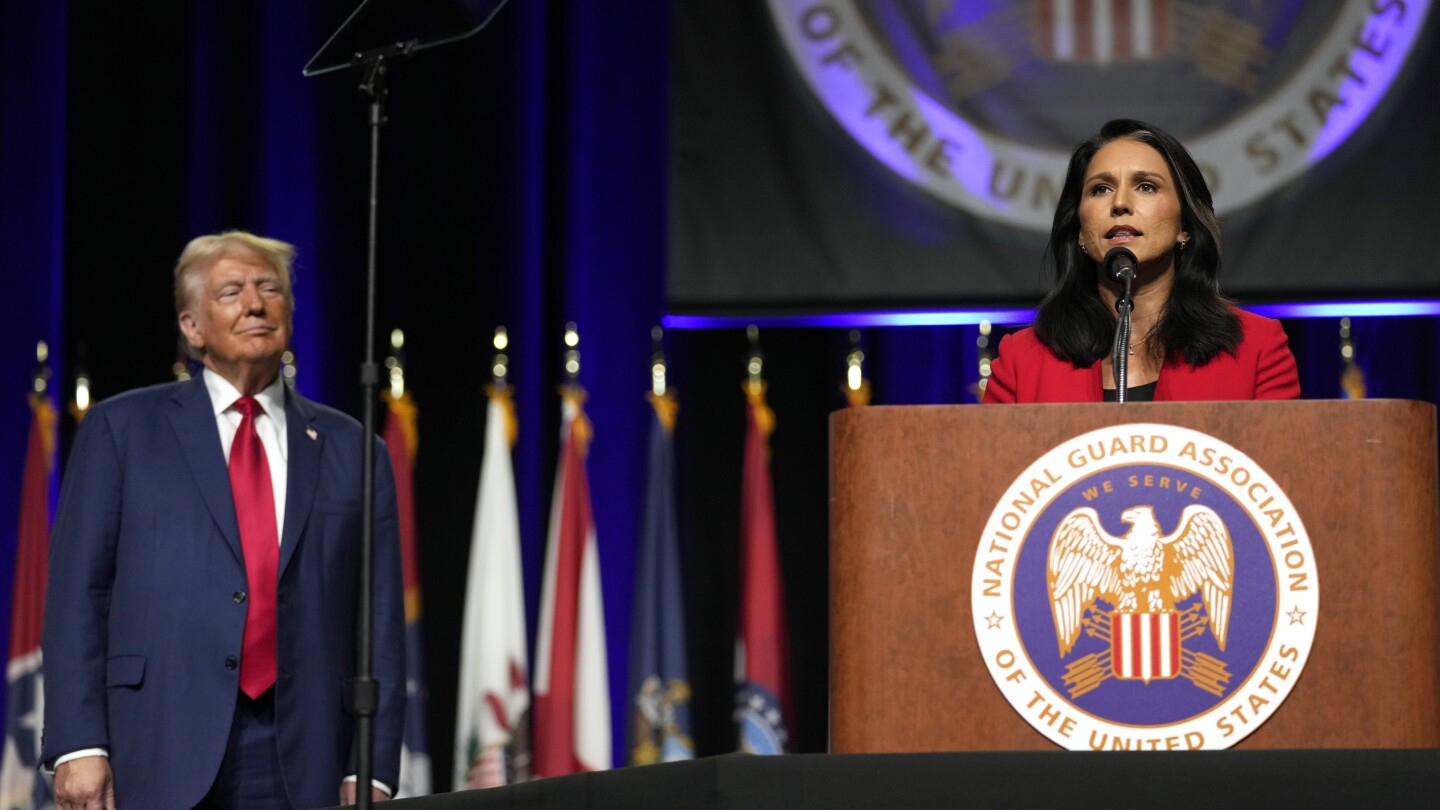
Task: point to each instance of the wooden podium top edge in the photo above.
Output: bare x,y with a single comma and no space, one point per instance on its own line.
1353,404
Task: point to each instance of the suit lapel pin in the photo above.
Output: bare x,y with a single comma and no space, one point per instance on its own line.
310,431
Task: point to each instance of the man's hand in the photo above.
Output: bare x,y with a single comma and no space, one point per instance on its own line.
85,784
347,793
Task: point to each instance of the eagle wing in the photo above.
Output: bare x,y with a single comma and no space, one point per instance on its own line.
1084,566
1202,559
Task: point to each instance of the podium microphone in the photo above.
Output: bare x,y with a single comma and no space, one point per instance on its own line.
1120,263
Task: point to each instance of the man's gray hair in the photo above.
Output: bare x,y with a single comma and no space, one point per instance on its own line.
204,251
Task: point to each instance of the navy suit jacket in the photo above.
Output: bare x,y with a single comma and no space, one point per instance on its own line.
145,607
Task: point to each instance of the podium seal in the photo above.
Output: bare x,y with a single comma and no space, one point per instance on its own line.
980,103
1145,587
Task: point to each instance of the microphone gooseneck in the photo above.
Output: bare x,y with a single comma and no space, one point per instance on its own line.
1120,263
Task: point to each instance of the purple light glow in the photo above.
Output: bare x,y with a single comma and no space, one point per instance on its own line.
1387,41
950,317
1348,309
971,317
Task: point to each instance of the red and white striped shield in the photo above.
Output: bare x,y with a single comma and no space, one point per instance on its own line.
1101,32
1145,646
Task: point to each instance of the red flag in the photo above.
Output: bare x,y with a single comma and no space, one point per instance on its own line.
20,781
32,545
762,663
402,439
572,687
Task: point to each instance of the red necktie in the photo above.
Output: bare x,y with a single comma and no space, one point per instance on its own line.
255,512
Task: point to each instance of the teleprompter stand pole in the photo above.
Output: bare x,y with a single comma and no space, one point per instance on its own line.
364,694
436,23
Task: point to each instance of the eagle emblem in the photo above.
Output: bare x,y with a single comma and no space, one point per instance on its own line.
1144,574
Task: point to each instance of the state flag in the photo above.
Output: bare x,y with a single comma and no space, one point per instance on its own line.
402,440
762,663
493,701
21,785
572,687
659,678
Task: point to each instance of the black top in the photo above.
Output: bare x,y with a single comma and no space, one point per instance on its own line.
1140,393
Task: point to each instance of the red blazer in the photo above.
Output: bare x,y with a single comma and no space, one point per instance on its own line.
1262,368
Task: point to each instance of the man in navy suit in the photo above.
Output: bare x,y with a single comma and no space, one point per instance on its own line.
189,661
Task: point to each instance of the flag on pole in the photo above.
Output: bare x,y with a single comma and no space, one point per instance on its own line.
402,439
659,679
572,688
21,785
493,700
762,669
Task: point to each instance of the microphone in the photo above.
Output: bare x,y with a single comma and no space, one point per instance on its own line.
1120,263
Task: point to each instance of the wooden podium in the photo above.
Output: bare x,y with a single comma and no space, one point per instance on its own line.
912,488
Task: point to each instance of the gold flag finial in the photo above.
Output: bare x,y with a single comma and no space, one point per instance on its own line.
40,379
755,363
402,405
572,394
660,396
856,388
499,388
1352,377
755,384
40,401
500,363
81,403
657,362
395,364
572,352
984,353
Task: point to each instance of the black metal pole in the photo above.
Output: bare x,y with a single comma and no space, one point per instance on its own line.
1120,359
365,694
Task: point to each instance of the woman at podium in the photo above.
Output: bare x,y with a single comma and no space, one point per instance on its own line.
1134,186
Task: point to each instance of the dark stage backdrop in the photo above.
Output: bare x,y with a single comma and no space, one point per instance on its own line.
524,183
839,154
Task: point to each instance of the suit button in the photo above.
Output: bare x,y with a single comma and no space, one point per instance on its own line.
231,663
239,597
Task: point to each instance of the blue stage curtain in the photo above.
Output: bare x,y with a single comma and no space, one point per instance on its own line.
523,184
33,49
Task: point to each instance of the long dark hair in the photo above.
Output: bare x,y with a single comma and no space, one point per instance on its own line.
1197,322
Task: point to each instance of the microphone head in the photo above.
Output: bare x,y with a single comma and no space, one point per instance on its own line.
1119,260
